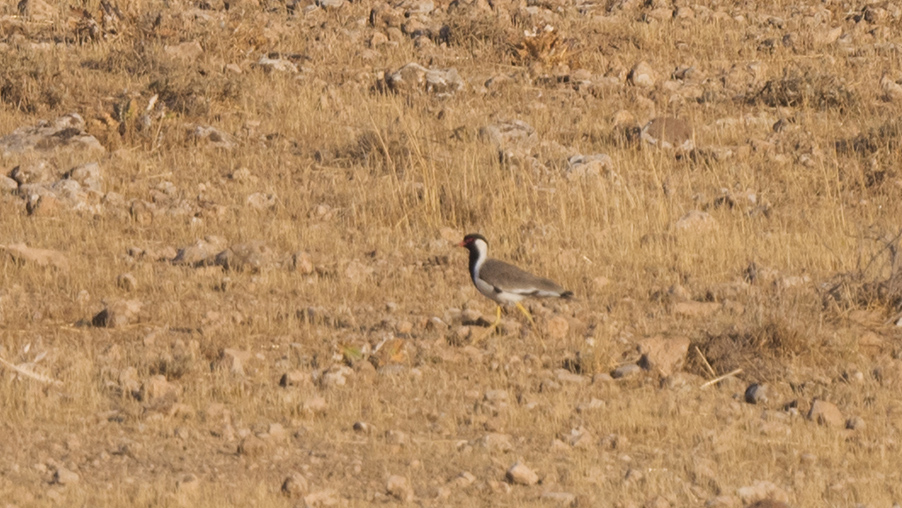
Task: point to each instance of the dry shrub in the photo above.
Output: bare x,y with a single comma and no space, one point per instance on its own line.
193,94
474,31
29,83
388,150
760,350
545,45
806,88
876,284
885,138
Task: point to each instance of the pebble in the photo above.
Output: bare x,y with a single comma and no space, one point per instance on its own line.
826,413
399,487
127,282
520,474
118,314
625,371
756,393
64,476
295,486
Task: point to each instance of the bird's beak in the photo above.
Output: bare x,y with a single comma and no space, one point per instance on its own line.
461,244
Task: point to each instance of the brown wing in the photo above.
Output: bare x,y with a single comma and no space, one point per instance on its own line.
511,279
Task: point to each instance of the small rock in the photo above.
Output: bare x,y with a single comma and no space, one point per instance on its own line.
464,479
187,484
261,201
252,256
8,185
662,354
756,393
232,360
565,376
330,4
521,475
509,135
762,490
127,282
187,51
295,378
64,476
39,171
363,427
855,423
396,437
314,405
212,136
642,75
625,371
696,221
825,413
88,176
413,77
582,166
252,446
200,252
399,487
118,313
557,327
275,63
301,262
157,388
295,486
41,257
668,133
495,442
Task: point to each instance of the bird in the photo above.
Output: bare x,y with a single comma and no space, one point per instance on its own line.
505,283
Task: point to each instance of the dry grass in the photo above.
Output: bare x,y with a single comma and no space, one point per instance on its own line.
377,186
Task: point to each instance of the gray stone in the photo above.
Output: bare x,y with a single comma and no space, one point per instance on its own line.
275,63
65,133
89,175
624,371
756,393
582,166
117,314
212,136
39,171
413,77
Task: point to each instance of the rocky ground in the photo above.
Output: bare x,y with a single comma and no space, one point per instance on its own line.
229,272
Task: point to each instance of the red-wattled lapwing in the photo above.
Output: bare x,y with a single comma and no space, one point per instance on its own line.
505,283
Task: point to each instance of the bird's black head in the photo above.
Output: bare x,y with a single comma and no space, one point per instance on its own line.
470,239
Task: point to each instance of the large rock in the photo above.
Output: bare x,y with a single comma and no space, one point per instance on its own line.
64,133
825,413
41,257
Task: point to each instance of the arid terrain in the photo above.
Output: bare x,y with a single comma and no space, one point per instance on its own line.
230,273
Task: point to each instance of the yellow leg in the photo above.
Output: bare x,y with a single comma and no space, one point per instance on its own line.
492,327
526,313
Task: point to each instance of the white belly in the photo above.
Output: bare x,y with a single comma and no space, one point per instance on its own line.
503,297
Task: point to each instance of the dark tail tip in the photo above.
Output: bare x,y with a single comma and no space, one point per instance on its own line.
567,295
